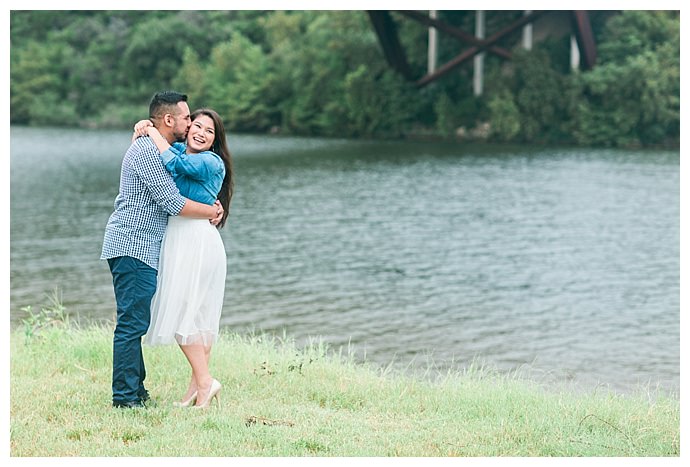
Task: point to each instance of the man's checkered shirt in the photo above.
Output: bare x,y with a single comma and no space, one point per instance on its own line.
147,196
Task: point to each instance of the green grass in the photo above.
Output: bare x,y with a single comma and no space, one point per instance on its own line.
278,400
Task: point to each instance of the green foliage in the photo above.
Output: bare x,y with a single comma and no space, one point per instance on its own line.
504,116
155,49
446,115
538,96
282,29
191,77
323,73
236,78
328,51
376,106
634,32
38,94
633,96
53,315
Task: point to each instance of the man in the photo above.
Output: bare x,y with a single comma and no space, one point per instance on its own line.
133,239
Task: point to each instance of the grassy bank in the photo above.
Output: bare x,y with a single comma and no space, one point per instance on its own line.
281,401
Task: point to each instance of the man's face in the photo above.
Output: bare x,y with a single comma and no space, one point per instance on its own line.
182,122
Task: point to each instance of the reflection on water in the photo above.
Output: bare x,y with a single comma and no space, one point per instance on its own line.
562,260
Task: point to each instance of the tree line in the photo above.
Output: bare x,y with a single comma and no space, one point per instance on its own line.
322,73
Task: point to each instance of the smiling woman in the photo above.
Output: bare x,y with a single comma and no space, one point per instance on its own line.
201,135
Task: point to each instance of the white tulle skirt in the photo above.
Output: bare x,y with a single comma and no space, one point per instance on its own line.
191,284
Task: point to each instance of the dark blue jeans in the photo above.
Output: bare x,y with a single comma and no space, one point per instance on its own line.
134,283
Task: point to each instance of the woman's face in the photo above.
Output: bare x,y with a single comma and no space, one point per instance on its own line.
201,134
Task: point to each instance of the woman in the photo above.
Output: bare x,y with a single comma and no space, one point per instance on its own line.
191,277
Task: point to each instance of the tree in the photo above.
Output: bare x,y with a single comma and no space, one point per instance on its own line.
633,96
236,78
38,91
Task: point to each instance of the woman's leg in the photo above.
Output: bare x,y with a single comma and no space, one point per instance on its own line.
192,388
198,360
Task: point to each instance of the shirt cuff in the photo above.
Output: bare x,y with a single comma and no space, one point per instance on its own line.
176,205
168,155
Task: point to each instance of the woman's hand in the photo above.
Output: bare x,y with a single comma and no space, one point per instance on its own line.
152,131
141,128
145,128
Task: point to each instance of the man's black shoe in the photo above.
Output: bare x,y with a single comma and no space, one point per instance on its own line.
144,395
129,405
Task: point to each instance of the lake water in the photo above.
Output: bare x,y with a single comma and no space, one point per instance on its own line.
561,262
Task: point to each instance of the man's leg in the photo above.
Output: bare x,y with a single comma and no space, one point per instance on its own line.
134,283
142,392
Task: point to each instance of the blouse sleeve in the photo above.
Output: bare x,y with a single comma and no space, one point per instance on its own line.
201,166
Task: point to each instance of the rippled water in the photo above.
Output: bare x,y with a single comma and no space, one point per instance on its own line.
562,261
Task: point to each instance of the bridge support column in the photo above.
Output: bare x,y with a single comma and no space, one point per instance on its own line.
479,58
527,34
574,53
433,44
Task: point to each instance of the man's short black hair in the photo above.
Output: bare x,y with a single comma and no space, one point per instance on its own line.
164,102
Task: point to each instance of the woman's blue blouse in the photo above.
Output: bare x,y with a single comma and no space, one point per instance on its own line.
198,176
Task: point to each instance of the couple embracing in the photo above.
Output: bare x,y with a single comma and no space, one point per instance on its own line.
163,247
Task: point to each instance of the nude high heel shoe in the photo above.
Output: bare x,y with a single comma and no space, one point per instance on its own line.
212,394
189,402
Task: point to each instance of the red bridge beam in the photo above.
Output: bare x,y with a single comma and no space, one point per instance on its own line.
385,29
480,47
585,38
453,31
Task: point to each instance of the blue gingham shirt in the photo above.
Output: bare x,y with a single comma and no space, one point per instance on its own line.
147,196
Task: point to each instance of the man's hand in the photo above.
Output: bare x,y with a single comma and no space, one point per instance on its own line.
219,211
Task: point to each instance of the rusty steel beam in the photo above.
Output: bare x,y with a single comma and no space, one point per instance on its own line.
482,45
385,29
585,38
453,31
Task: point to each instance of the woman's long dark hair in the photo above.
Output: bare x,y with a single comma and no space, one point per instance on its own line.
220,147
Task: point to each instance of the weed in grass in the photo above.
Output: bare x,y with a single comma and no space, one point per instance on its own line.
52,315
